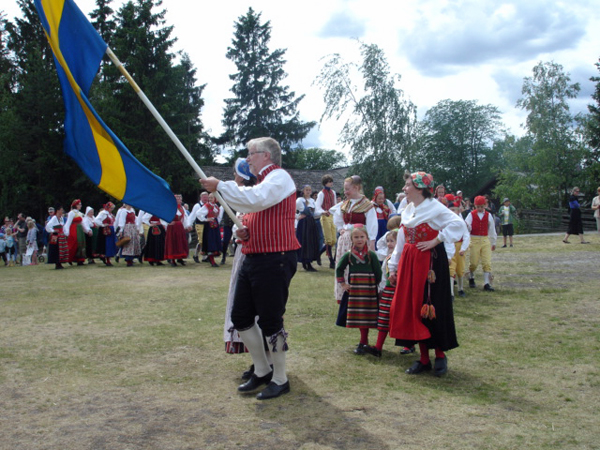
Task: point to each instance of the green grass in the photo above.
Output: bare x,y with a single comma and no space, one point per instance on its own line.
100,358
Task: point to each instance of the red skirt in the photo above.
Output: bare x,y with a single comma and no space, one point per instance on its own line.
405,313
176,246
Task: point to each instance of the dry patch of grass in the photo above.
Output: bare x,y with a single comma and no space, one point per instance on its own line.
99,358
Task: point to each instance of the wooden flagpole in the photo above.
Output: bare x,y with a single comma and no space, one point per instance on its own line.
169,132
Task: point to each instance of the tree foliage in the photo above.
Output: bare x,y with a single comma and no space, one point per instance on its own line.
34,170
556,154
379,122
456,143
314,159
261,105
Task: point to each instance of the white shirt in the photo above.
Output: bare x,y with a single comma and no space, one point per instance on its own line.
203,213
54,221
120,212
120,220
72,214
276,187
146,219
371,219
100,218
300,206
450,227
492,235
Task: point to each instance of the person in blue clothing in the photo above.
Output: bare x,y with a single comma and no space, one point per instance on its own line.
575,223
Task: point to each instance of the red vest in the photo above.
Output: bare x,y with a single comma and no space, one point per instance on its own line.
328,199
479,227
130,218
272,230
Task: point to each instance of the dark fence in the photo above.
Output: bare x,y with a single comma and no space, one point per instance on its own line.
551,220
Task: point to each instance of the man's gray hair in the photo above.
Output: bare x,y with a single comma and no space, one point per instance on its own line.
267,145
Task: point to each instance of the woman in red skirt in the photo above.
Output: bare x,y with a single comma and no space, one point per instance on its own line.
421,310
176,244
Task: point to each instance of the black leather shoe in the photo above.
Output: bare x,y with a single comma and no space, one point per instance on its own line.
255,382
195,258
472,283
331,264
440,366
274,390
310,268
181,261
461,293
373,351
360,349
418,367
488,288
248,373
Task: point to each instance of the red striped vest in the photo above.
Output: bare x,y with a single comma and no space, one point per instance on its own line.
328,199
272,230
479,227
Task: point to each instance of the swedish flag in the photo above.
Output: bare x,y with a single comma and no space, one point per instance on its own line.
78,50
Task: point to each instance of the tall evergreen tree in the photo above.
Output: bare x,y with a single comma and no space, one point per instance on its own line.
36,172
144,43
261,105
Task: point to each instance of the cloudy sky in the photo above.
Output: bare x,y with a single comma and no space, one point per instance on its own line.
457,49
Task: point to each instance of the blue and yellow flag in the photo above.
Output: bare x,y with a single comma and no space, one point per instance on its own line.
78,50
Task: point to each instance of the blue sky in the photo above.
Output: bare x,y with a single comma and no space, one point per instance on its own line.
457,49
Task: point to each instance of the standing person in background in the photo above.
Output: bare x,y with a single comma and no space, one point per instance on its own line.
507,214
483,242
176,246
154,250
211,214
58,249
193,220
270,246
306,230
75,234
129,229
356,209
596,208
440,192
575,223
32,246
227,224
21,236
326,199
91,234
107,247
383,211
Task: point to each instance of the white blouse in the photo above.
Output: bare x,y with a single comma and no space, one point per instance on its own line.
450,226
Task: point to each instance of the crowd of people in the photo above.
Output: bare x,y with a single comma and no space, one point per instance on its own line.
397,265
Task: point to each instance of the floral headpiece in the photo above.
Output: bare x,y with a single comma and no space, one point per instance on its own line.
422,180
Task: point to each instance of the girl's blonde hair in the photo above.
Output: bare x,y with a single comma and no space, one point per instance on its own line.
393,234
357,230
394,222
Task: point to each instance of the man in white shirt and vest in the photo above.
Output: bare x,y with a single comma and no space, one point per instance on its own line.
270,246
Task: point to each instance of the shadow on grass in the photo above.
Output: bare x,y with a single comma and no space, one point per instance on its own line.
315,421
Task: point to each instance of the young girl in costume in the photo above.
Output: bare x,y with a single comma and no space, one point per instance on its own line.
364,274
32,241
211,214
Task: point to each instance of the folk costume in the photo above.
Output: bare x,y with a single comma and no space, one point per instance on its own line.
483,238
91,239
192,220
359,307
129,228
383,211
211,214
575,223
154,250
176,245
421,310
58,248
75,234
306,233
264,278
107,247
324,202
351,212
457,264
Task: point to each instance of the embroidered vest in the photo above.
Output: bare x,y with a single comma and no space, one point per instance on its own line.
479,227
420,233
328,199
272,230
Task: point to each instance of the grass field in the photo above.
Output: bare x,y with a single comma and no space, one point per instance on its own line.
133,358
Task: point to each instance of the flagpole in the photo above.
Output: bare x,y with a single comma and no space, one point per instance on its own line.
169,132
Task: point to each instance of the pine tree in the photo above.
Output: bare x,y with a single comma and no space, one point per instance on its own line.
261,105
143,43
